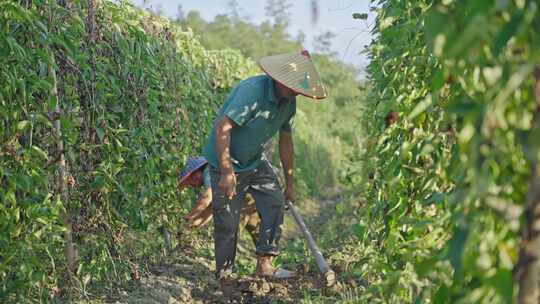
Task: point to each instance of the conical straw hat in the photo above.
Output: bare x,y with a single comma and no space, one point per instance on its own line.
295,71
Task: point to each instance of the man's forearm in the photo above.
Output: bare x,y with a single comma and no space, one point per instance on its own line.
203,202
223,141
204,199
286,154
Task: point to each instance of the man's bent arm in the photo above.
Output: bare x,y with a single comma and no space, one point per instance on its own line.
223,142
286,154
203,202
227,183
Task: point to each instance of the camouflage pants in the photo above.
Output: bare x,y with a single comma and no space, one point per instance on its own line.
262,184
250,220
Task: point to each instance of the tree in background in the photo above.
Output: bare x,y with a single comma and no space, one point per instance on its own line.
323,43
278,11
180,15
237,32
234,12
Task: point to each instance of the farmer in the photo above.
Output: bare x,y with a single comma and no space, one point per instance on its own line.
255,110
196,174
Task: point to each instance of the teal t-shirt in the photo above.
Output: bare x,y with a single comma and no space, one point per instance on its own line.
206,177
258,116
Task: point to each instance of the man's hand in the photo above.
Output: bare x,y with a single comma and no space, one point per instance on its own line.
289,193
227,184
202,218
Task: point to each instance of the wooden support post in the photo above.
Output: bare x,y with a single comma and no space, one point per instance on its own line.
527,268
61,183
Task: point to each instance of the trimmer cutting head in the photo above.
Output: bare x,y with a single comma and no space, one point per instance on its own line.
329,278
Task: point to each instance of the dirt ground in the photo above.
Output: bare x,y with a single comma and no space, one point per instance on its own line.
186,274
188,283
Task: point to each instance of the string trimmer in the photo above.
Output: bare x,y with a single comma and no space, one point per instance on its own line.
328,274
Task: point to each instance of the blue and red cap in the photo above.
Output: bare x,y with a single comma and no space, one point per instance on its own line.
193,164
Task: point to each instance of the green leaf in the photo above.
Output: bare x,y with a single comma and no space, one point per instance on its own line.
98,182
340,208
359,230
437,80
23,125
435,23
456,247
41,220
41,26
503,283
53,101
100,134
421,107
442,295
436,198
44,120
40,152
141,219
17,214
386,23
425,267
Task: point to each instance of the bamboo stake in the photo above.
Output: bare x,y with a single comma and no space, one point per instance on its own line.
71,254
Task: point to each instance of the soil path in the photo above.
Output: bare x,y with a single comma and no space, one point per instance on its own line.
186,275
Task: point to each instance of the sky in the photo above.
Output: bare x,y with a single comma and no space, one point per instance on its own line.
334,15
